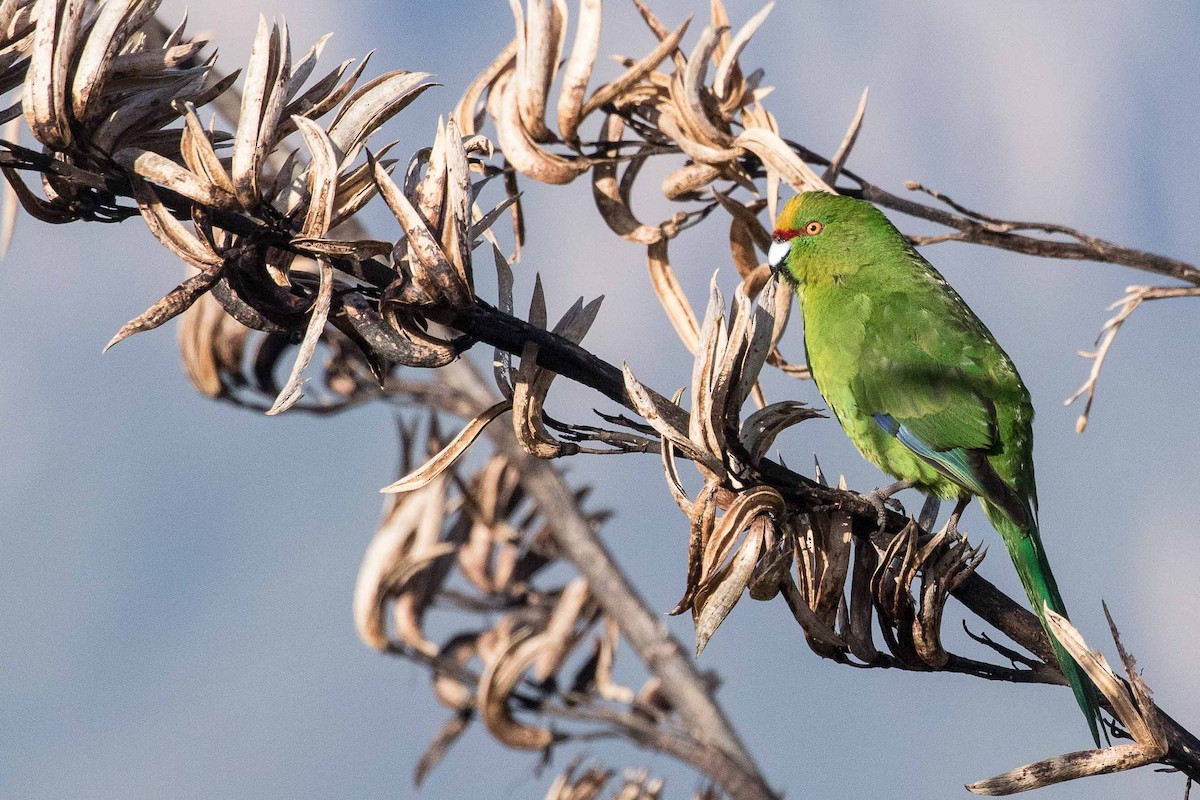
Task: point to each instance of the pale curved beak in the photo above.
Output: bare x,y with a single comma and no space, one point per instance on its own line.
777,254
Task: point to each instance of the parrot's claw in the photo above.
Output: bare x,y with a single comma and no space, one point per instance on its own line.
881,498
951,526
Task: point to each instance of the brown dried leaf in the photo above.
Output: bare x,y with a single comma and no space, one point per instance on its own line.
1143,729
714,602
405,345
606,192
561,632
631,77
858,633
690,105
456,237
430,270
537,63
322,179
667,421
750,503
606,687
448,686
843,152
673,481
465,112
710,354
760,428
579,69
670,295
371,105
166,173
383,555
448,455
45,100
113,25
291,394
777,156
198,152
170,232
702,517
177,301
723,85
256,95
38,208
353,249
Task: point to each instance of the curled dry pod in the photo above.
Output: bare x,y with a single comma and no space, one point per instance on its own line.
717,598
371,105
384,554
563,631
448,455
702,521
265,83
496,685
430,269
45,96
520,148
944,569
532,382
667,420
579,69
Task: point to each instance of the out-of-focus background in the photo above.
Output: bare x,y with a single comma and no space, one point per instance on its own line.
175,575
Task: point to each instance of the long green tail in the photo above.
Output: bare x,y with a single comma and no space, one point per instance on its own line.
1028,556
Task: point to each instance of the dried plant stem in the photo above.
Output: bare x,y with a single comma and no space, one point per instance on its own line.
662,654
1134,297
977,228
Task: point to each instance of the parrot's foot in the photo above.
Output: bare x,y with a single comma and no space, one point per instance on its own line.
881,497
951,527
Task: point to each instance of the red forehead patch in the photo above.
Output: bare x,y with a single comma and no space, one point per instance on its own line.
787,234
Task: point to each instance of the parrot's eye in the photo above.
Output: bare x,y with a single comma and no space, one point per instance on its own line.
813,228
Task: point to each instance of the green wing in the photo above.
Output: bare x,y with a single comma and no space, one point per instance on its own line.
930,374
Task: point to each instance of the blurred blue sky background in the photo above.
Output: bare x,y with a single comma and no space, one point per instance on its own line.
176,574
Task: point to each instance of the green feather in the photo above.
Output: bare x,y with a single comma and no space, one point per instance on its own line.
1025,548
888,340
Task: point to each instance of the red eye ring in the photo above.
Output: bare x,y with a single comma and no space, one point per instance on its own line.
813,228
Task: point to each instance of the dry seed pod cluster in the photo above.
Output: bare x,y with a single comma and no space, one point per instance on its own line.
473,542
753,545
702,105
250,210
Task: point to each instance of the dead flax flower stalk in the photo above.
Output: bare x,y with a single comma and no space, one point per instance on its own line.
754,543
1134,297
726,370
260,274
255,223
533,653
717,122
1131,704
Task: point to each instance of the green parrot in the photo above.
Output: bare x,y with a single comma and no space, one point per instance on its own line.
917,381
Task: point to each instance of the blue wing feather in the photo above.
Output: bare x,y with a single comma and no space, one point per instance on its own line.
954,463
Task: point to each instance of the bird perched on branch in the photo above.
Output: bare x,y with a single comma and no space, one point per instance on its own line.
917,381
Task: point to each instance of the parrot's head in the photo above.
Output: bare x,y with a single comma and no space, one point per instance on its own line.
820,235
